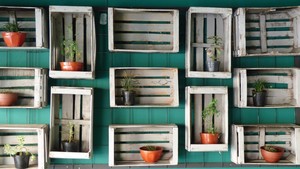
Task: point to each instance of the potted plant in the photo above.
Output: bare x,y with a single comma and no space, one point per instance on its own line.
128,84
11,35
271,154
8,98
213,52
210,136
70,145
151,154
70,51
20,153
259,93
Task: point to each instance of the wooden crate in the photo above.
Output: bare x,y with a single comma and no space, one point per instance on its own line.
197,98
72,23
31,20
247,140
125,141
143,30
29,83
36,140
282,86
203,22
75,105
157,87
267,31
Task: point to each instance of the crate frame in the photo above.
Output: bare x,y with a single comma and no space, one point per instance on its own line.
150,15
42,142
58,29
163,77
284,96
195,63
81,114
238,155
192,138
267,31
171,136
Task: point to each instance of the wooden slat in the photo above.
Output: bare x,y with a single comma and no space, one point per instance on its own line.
67,113
143,128
272,79
220,33
150,82
149,91
270,24
17,83
256,147
144,46
136,146
263,33
129,37
271,34
137,156
146,72
142,16
80,36
86,130
29,139
284,93
270,16
273,42
199,65
150,100
142,137
197,118
208,121
148,27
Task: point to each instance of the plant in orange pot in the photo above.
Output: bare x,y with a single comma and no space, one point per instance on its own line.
151,154
271,154
11,35
210,136
8,98
71,52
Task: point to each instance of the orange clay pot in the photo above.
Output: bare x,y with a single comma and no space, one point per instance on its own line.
208,138
272,157
14,39
8,99
151,156
71,66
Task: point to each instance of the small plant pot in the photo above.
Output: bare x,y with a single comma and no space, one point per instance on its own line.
21,160
213,66
71,66
208,138
72,146
14,39
128,97
8,99
272,157
151,156
259,98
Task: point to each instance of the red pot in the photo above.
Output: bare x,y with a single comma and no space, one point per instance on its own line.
208,138
14,39
272,157
8,99
151,156
71,66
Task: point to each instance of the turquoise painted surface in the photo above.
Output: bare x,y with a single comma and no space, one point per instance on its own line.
104,115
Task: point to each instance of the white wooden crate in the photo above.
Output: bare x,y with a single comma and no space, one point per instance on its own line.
157,87
247,140
125,141
31,20
75,105
143,30
203,22
29,83
282,86
267,31
197,98
72,23
36,135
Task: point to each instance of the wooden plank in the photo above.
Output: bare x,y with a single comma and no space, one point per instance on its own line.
90,42
136,146
39,27
275,93
86,130
67,113
243,86
151,100
29,139
296,26
155,47
199,65
142,137
147,27
79,35
210,27
142,128
208,121
146,72
218,119
268,138
273,42
220,33
241,34
137,156
272,34
263,33
281,24
272,79
256,147
138,37
135,15
269,16
151,82
197,118
149,91
241,145
68,30
77,116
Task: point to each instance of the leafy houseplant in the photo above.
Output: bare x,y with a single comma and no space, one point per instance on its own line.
210,136
271,154
8,98
128,84
151,154
70,145
20,153
213,52
71,52
259,93
12,37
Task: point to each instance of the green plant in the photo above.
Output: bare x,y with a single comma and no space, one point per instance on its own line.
271,149
259,85
211,111
19,148
214,51
11,27
150,148
71,132
70,50
128,82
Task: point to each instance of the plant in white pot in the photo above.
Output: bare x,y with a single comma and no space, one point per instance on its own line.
213,53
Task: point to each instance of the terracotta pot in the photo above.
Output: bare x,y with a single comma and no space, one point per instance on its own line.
71,66
151,156
8,99
208,138
272,157
14,39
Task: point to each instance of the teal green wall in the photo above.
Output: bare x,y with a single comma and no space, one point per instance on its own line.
104,115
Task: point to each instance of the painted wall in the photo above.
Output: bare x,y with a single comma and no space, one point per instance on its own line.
104,115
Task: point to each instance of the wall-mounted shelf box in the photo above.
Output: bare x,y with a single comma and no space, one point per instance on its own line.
197,98
31,20
29,83
267,31
71,105
78,24
247,140
125,141
143,30
36,140
282,87
156,87
202,23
